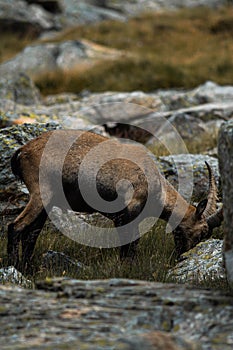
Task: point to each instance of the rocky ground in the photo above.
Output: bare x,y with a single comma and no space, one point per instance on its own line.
115,314
111,314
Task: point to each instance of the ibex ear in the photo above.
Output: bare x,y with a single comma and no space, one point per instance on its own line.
200,208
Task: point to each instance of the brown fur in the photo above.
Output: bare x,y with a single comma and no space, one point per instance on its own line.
26,164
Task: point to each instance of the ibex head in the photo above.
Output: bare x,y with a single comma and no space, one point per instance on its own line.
199,221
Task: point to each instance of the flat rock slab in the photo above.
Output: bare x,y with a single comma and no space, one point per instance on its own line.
114,314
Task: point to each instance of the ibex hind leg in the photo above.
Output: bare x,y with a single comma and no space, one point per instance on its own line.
31,218
29,239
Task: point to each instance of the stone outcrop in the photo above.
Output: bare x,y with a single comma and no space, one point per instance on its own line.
203,262
10,276
35,17
136,6
19,89
225,148
26,19
176,167
43,58
115,314
114,110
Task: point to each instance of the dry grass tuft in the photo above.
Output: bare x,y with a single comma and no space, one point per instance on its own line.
174,49
163,50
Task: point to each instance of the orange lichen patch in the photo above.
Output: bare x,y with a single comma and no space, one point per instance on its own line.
75,313
23,120
99,51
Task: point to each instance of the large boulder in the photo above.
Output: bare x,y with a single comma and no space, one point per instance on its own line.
46,57
225,149
17,15
19,88
201,264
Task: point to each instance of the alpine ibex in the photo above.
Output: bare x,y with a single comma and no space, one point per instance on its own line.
71,157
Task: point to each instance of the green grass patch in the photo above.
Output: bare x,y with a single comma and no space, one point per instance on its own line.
154,257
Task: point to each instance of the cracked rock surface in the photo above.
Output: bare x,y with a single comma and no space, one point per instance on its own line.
114,314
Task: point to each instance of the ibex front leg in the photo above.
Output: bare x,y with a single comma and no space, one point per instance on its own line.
128,237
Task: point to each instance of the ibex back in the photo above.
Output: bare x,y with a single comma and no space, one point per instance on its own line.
127,177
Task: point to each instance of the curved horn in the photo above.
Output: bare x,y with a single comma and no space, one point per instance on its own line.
215,219
212,195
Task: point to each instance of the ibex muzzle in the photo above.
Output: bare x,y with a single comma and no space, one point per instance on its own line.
42,168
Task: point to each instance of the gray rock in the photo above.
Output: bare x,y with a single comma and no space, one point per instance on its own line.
206,112
26,18
209,92
9,275
73,111
176,99
81,12
137,6
202,263
188,127
59,263
225,149
190,171
149,101
19,88
115,314
172,128
83,228
42,58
